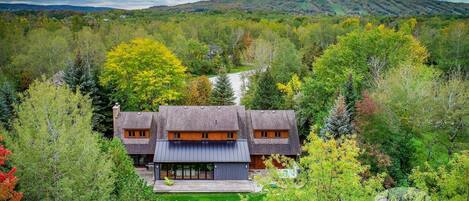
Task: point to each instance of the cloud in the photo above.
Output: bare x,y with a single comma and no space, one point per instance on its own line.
133,4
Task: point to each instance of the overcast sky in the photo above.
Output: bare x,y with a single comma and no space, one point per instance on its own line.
131,4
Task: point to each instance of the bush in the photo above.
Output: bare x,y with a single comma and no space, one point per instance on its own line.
168,182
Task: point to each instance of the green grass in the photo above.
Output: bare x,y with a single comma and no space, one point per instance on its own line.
208,196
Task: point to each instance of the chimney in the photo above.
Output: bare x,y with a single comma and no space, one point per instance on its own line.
116,109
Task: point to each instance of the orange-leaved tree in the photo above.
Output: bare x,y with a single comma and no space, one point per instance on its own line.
7,178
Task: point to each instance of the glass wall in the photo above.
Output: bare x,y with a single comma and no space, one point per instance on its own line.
187,171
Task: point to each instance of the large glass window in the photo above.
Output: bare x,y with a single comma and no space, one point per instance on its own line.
202,171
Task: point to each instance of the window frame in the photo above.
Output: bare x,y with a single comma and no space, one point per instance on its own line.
177,135
205,135
278,134
230,135
264,134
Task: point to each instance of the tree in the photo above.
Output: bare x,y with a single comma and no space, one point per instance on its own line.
222,93
350,97
90,48
7,101
83,77
363,54
338,123
55,150
198,92
127,185
328,171
144,75
291,92
8,180
448,182
45,53
286,61
266,96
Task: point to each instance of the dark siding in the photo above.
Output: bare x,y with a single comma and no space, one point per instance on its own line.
231,171
156,171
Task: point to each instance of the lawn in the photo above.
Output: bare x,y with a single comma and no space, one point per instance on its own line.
208,196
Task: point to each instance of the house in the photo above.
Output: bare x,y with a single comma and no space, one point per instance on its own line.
206,142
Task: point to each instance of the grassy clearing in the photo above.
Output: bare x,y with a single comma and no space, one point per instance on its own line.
208,196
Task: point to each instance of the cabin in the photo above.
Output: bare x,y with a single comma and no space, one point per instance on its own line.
206,142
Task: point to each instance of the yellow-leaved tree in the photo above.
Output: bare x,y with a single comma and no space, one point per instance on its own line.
143,74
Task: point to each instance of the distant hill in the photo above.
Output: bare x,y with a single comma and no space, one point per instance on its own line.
329,7
30,7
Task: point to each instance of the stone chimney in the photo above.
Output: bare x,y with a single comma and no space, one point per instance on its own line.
116,109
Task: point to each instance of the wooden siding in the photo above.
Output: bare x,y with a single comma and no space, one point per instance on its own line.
270,134
257,162
137,133
197,136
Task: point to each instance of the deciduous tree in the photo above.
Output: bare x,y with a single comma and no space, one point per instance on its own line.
56,152
198,91
144,75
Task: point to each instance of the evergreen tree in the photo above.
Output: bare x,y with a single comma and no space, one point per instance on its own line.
266,95
84,77
222,93
7,100
338,121
55,149
350,97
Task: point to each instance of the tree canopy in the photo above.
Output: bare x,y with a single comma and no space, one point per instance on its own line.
144,74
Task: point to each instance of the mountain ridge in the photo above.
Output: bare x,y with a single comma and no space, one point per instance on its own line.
32,7
328,7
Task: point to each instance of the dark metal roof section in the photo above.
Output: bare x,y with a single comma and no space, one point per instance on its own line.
136,120
201,118
269,120
199,152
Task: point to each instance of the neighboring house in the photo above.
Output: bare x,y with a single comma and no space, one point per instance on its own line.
206,142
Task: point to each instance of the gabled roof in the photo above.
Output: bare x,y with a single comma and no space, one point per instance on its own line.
269,120
136,120
173,152
201,118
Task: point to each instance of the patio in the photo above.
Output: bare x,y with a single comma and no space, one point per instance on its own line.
207,186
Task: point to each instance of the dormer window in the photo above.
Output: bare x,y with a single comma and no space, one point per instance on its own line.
137,133
204,135
177,135
230,135
278,134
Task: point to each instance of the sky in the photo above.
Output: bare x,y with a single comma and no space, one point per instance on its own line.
131,4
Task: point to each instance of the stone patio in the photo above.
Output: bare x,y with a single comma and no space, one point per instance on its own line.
207,186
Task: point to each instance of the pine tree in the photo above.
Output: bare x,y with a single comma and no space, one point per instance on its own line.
350,97
222,93
55,149
84,77
7,100
338,122
266,95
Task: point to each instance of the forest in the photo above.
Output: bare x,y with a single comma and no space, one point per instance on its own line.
382,102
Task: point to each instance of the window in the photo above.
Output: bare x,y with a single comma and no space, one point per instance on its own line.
204,135
230,135
264,134
278,134
177,135
136,133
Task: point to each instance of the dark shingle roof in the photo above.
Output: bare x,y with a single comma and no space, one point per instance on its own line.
269,120
288,117
173,152
201,118
135,120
